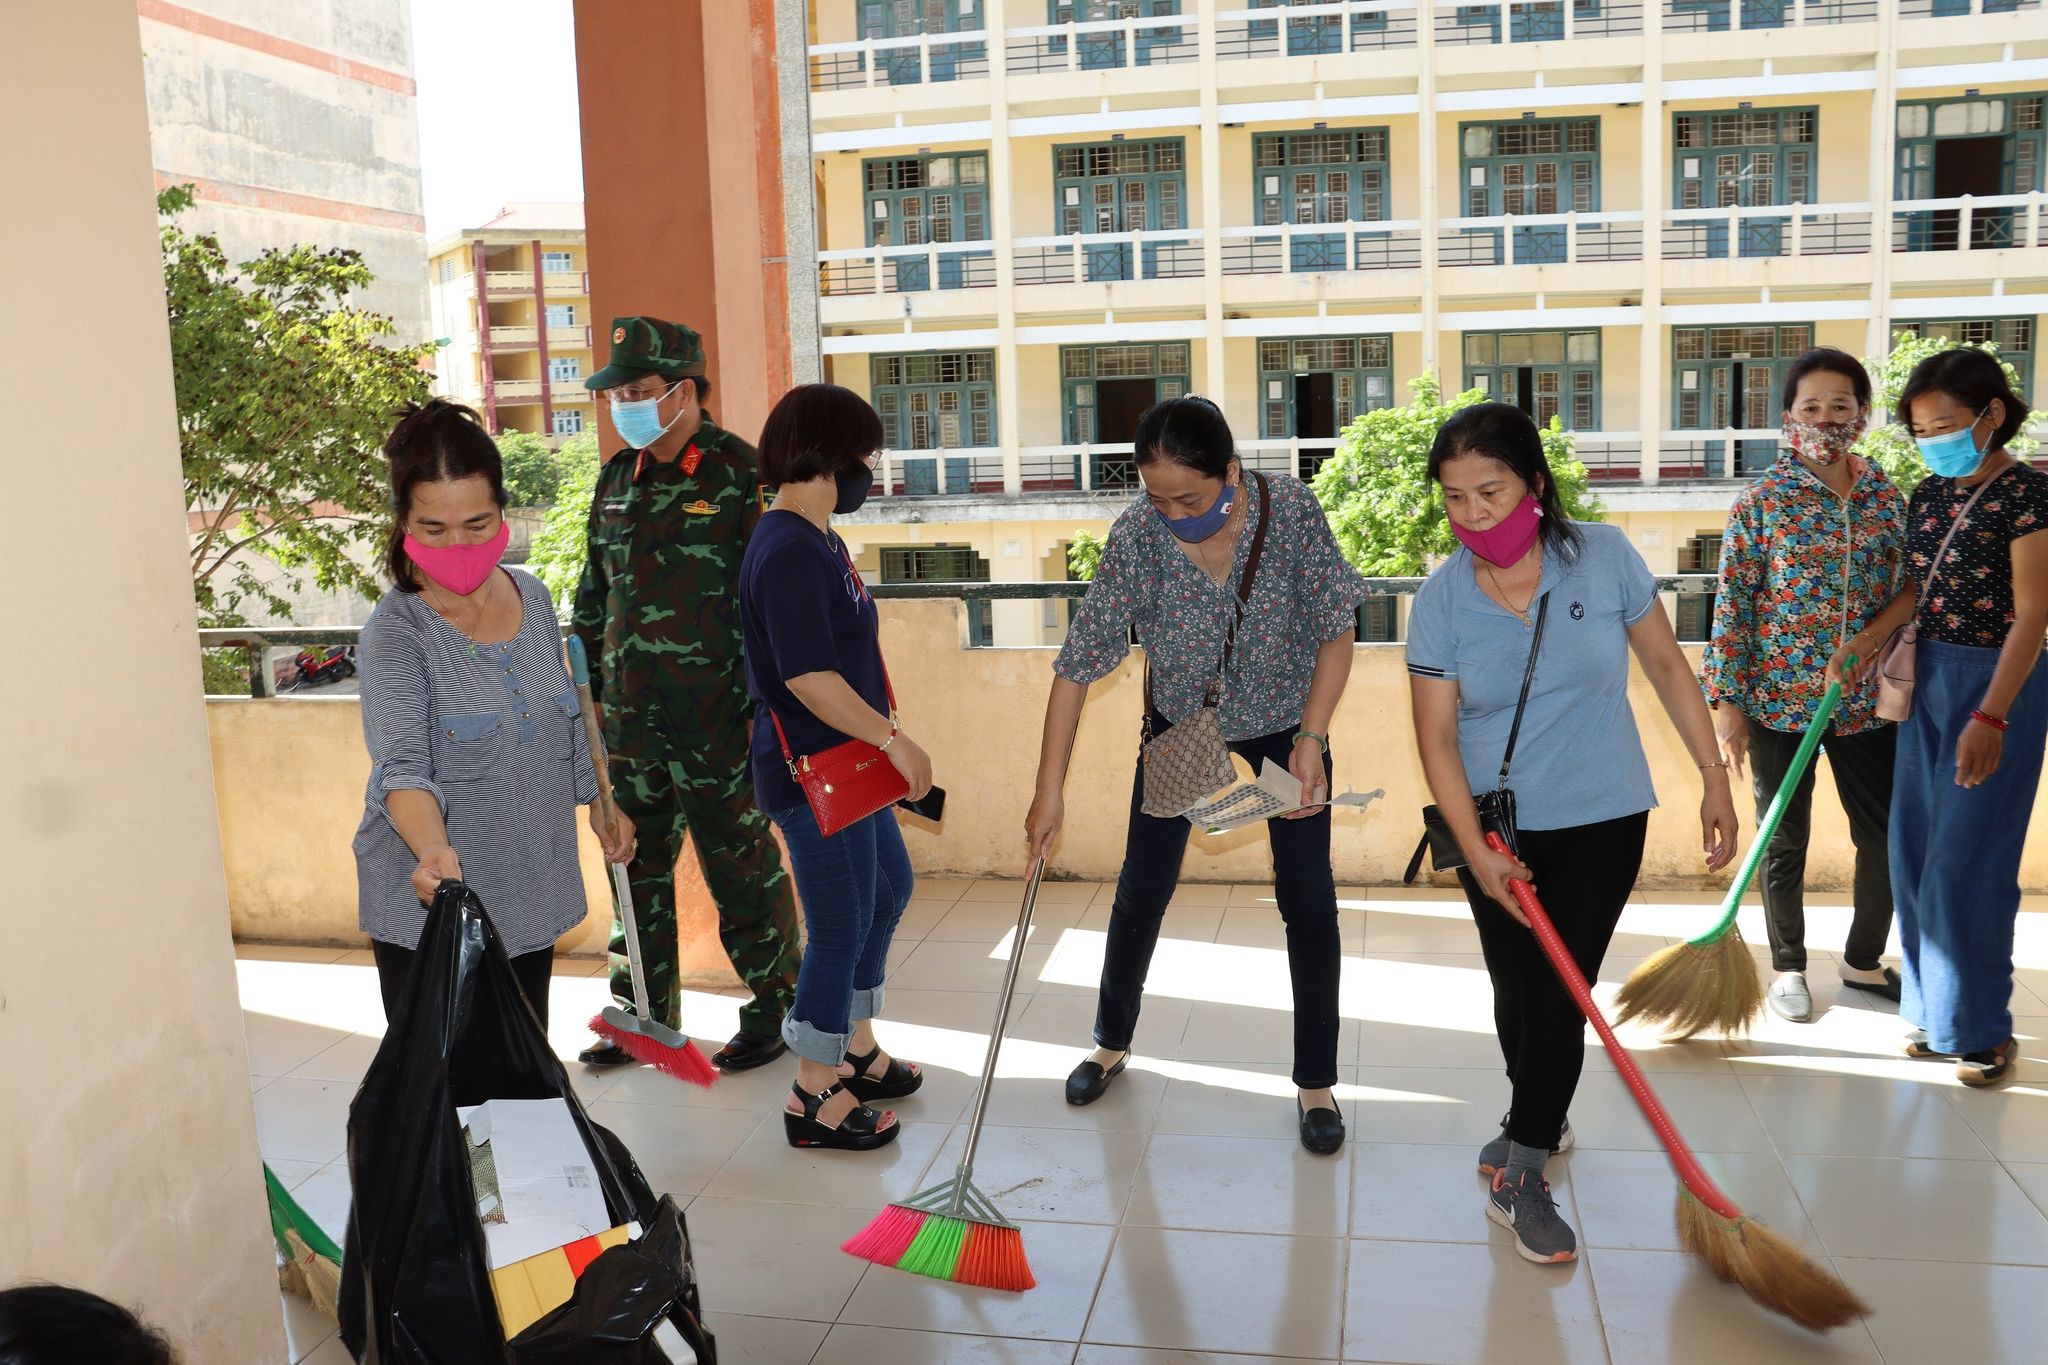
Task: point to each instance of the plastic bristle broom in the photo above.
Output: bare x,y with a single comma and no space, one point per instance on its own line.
951,1231
311,1263
638,1035
1737,1248
1710,980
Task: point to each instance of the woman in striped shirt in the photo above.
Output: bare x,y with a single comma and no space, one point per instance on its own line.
477,755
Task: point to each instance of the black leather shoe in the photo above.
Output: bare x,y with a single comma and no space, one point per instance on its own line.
1087,1081
1322,1130
749,1050
1890,990
604,1053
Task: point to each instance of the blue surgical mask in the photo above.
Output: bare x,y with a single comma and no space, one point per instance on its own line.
1203,524
1953,454
639,420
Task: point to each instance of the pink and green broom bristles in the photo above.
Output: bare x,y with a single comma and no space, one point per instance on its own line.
951,1231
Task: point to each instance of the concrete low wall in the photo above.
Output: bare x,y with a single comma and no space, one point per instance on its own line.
290,779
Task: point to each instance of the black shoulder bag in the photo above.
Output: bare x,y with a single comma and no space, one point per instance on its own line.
1496,807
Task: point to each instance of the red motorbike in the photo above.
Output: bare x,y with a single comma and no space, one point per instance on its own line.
318,667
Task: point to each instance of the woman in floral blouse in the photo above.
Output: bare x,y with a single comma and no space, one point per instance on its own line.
1173,566
1970,753
1809,557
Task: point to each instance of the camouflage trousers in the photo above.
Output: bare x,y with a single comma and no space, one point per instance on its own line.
711,799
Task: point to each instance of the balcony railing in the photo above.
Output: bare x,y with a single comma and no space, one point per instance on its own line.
1989,222
1537,21
519,283
1961,9
1731,453
1102,45
907,269
1542,239
925,59
1766,232
1315,30
1320,248
1107,257
528,338
529,390
1722,16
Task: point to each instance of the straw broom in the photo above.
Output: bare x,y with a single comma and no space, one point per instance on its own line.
1710,981
1737,1248
951,1231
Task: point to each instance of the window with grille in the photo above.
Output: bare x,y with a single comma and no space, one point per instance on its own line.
1120,187
1361,380
565,367
935,400
557,263
448,271
1532,167
1733,377
933,564
561,315
568,421
1321,177
1748,159
2014,338
1546,374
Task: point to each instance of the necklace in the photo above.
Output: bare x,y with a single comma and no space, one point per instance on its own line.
1228,535
1521,612
475,620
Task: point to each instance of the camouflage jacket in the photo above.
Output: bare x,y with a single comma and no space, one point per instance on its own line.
658,604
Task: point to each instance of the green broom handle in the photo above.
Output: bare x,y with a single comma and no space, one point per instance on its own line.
1762,843
995,1037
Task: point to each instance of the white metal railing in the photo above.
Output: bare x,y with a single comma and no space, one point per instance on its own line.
1979,222
1316,248
1766,231
1719,453
1961,9
1542,239
1107,257
937,473
907,269
1315,30
922,59
1102,45
1537,21
570,336
1724,16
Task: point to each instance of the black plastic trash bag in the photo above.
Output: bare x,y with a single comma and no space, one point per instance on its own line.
416,1286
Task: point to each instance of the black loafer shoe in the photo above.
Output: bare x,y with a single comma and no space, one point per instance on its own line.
1322,1130
604,1054
747,1051
1087,1081
1890,990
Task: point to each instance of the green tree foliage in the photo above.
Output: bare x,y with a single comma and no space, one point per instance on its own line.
285,394
532,469
1891,445
1084,556
1387,516
558,552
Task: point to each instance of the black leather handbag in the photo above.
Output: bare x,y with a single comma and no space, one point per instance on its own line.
1496,807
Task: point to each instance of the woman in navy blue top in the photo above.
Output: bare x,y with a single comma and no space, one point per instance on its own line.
814,663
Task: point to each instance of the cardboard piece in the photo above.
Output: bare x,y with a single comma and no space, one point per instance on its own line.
534,1184
531,1289
1277,792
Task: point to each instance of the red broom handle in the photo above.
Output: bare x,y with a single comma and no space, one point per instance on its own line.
1690,1172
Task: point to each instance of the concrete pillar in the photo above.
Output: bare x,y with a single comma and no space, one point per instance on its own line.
1002,230
1216,383
1884,183
1654,414
1429,204
682,186
799,203
128,1160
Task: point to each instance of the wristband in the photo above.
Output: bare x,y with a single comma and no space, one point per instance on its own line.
1323,740
1986,718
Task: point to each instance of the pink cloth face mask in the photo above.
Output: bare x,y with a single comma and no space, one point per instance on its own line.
1505,542
461,569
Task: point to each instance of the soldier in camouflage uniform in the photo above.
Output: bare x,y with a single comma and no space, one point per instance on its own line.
658,610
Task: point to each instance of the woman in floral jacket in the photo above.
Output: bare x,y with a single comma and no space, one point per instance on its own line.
1808,558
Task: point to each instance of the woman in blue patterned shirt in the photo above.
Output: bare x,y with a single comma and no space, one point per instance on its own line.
1172,567
477,756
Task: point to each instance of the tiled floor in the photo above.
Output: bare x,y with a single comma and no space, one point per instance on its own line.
1178,1221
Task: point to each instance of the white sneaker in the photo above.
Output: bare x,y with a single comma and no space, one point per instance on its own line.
1789,998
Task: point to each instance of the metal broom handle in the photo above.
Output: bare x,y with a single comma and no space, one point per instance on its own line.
995,1038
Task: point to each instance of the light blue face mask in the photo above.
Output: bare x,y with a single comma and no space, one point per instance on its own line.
639,420
1203,524
1953,454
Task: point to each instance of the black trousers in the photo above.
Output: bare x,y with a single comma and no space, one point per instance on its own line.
1302,883
394,965
1583,876
1862,765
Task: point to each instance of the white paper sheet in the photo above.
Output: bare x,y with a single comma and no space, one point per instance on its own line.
547,1187
1277,792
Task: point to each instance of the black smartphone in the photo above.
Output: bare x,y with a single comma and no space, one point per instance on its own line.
932,806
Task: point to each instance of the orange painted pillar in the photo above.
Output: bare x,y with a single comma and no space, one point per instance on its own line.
682,209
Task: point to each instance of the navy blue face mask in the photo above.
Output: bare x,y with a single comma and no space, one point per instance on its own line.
1203,524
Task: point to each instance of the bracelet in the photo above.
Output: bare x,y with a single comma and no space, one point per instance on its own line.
1323,740
1986,718
894,730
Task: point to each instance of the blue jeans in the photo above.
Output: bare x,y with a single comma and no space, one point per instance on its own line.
1302,883
853,886
1955,851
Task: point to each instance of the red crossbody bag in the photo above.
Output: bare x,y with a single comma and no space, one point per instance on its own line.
848,782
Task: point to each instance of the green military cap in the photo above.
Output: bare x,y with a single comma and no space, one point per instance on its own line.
643,346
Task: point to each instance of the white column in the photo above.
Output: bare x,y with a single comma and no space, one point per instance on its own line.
1427,207
1002,218
1654,414
1884,143
1215,384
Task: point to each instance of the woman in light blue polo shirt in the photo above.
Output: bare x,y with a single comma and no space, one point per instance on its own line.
1580,779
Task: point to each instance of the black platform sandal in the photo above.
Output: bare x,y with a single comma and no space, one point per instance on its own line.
899,1080
859,1131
